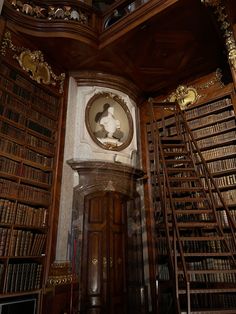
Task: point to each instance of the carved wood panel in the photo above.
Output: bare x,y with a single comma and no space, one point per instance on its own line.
103,256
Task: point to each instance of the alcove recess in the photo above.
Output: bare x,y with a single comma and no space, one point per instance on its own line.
107,225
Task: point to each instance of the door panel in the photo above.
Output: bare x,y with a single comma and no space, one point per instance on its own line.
117,254
103,271
94,250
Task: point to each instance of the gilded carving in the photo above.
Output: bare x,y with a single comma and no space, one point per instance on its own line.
33,63
60,274
222,17
184,96
50,12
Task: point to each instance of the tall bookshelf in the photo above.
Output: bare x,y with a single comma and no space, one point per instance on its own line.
30,115
214,128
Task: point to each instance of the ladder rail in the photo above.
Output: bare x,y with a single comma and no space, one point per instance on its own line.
210,180
172,206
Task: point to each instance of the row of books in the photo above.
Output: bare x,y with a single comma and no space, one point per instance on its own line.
25,138
28,96
224,219
23,277
23,152
25,122
12,212
217,139
222,165
10,166
9,101
24,243
215,128
21,243
207,108
213,118
222,181
228,196
198,126
215,111
191,245
216,277
25,192
219,152
226,301
16,76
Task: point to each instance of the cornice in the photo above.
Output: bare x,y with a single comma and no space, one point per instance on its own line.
48,26
90,78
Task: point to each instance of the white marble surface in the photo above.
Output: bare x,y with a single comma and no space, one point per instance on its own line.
79,145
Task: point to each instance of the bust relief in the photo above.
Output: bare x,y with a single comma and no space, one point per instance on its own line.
109,121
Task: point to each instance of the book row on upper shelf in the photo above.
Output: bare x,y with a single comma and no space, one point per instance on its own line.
24,192
25,138
213,123
200,115
25,154
28,97
214,300
217,139
12,212
25,122
224,181
15,75
191,245
21,277
15,243
205,109
9,166
26,110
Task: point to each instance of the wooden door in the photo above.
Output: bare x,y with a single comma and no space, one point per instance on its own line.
103,282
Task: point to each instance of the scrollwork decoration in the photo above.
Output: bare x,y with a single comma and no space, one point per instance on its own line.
222,17
184,96
33,63
50,12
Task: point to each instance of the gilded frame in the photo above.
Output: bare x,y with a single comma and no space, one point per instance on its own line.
109,121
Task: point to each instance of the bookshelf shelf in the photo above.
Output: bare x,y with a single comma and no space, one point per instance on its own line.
195,244
29,126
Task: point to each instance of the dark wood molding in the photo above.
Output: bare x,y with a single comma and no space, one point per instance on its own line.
91,78
104,176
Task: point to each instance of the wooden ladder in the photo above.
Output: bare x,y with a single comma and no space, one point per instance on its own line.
201,253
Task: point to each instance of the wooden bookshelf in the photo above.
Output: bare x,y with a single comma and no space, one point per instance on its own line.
209,268
29,137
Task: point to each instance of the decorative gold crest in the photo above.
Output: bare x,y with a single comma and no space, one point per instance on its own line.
184,95
33,63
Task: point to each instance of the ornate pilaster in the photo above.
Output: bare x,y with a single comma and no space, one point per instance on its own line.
222,17
60,274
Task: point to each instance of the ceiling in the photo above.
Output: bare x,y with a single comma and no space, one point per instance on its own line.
157,55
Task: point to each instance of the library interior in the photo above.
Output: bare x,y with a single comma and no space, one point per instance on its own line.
117,157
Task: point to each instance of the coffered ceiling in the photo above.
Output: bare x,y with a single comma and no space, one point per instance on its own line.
156,55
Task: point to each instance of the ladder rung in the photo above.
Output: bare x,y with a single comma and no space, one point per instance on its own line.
171,138
190,178
189,199
207,290
193,211
182,169
197,224
175,153
172,145
187,189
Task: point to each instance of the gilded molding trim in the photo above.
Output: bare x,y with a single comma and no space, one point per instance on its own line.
216,79
222,18
186,96
50,12
33,63
60,274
